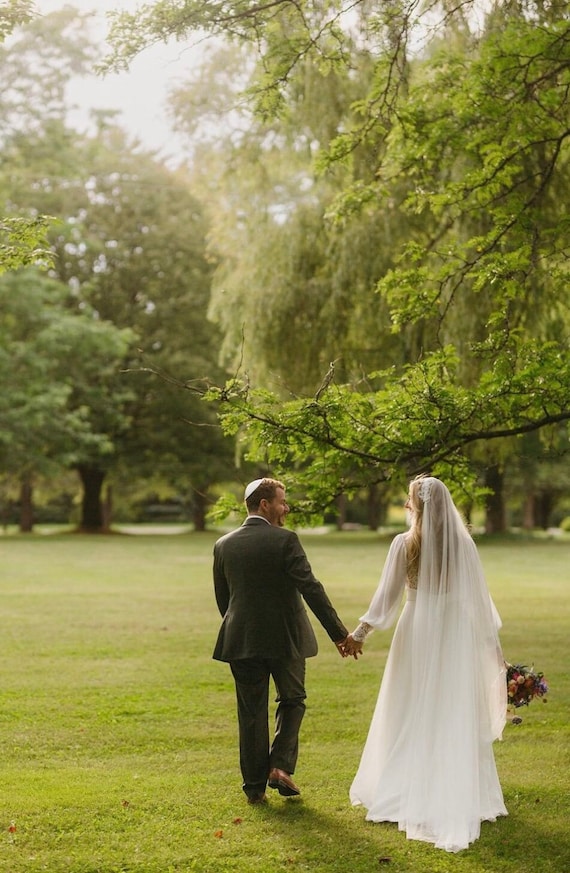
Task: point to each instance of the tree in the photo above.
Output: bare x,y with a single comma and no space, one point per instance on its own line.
469,136
14,13
22,240
147,270
292,290
50,361
36,65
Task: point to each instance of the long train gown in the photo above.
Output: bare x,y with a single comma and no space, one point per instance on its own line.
428,760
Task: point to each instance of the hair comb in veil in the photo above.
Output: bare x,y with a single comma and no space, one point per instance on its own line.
425,489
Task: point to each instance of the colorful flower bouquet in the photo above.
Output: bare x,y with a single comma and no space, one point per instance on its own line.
523,685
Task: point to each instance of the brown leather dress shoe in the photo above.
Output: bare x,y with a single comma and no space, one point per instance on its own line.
257,798
282,781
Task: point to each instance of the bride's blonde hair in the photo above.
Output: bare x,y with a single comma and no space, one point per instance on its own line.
414,538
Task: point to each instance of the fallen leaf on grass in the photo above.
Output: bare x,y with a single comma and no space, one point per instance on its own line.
238,820
219,834
384,860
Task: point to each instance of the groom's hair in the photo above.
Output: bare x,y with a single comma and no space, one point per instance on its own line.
266,490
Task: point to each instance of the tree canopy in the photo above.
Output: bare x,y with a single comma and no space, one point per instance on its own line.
450,128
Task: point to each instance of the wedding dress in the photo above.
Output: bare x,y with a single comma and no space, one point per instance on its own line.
428,761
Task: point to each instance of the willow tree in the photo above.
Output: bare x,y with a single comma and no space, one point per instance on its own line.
469,137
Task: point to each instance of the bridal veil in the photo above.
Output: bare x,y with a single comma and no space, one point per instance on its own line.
428,762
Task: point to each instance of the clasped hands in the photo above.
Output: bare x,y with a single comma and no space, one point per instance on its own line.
349,647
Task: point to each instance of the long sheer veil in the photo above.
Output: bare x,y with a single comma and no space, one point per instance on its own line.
459,699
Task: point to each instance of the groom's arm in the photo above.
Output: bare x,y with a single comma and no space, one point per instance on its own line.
221,587
313,592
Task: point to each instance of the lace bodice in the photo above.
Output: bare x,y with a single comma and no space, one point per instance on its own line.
412,579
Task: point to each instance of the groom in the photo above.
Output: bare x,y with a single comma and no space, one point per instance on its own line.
261,574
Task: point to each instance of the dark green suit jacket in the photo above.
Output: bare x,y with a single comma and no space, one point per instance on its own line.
261,576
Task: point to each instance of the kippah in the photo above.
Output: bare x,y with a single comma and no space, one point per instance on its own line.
253,486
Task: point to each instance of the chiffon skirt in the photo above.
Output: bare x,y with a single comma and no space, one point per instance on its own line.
427,766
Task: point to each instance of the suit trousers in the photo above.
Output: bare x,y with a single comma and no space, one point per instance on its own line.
251,677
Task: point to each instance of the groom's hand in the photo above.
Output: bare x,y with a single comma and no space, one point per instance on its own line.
348,647
340,646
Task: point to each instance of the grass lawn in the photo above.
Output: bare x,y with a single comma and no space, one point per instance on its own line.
118,733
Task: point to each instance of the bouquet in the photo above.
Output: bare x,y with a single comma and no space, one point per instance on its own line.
523,685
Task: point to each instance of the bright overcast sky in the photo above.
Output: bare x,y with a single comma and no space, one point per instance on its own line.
139,93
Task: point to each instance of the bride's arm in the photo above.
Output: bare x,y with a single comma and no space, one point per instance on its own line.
386,601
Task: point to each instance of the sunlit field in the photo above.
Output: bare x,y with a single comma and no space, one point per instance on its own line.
118,731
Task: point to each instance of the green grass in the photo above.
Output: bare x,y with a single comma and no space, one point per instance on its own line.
118,733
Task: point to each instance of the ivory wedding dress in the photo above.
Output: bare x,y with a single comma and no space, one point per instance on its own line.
428,760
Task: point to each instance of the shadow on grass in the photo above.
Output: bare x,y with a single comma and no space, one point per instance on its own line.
322,841
533,837
336,840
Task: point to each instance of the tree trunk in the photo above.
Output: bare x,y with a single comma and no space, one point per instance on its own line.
544,506
92,518
340,504
377,507
528,522
373,508
108,508
199,506
495,518
26,504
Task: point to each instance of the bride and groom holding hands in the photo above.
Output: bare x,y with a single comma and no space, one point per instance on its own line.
428,761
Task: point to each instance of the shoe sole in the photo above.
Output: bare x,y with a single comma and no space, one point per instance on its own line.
284,789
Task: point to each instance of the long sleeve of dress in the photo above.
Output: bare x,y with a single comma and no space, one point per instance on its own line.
385,604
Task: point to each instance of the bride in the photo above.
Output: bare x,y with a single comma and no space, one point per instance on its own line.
428,760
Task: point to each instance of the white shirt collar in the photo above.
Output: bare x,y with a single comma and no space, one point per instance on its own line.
259,516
